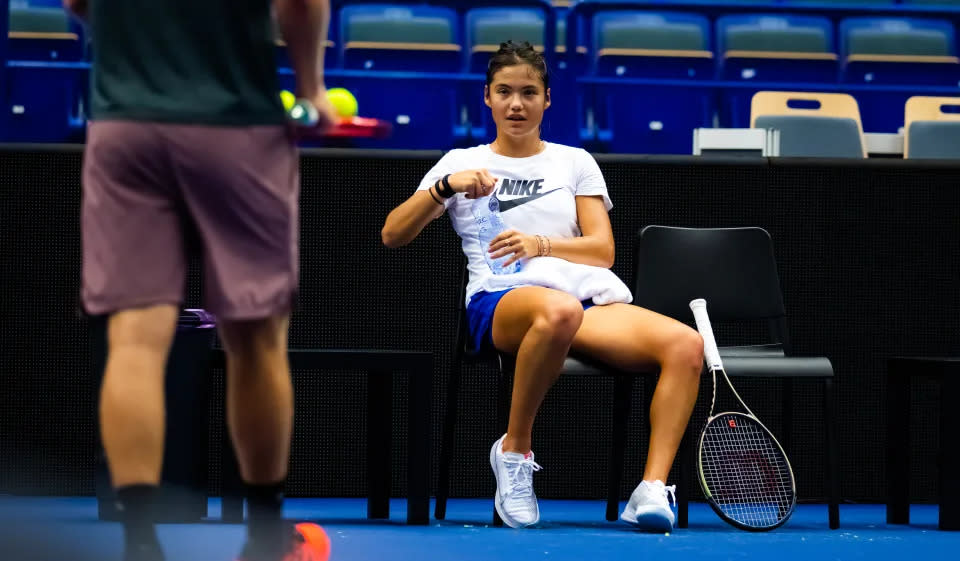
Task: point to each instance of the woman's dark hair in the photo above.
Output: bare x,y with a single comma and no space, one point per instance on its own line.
511,54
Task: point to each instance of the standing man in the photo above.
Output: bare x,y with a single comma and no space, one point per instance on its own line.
187,131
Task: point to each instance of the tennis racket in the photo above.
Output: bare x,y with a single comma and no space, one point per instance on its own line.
743,470
303,115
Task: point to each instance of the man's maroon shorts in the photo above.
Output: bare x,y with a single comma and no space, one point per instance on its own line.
144,182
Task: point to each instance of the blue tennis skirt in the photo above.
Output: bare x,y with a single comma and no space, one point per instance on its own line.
480,316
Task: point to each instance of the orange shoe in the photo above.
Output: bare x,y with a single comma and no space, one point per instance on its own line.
308,543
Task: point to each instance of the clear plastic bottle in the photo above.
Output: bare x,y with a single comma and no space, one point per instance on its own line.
486,211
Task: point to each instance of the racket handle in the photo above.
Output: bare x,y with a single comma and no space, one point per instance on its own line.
710,351
304,114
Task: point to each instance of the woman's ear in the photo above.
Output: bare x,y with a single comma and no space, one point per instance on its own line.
547,99
486,96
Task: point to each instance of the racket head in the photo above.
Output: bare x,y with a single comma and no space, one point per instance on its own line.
744,473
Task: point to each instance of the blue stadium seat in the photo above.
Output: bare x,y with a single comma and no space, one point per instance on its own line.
906,51
650,119
774,48
771,48
486,28
400,37
41,102
899,51
42,33
652,45
419,41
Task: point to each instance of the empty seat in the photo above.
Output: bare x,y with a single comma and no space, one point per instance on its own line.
42,33
418,41
899,51
645,44
775,48
394,37
930,130
771,48
905,51
644,118
486,28
811,124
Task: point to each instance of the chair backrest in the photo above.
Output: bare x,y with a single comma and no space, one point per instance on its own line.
733,269
929,131
753,34
486,28
828,125
384,36
635,34
867,38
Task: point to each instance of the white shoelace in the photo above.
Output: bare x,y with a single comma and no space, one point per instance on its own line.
521,477
670,493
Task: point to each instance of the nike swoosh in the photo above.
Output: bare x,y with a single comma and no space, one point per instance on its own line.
507,205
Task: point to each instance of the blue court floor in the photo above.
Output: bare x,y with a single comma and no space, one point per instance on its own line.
53,529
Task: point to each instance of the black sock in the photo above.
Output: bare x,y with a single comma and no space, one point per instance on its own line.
141,542
267,535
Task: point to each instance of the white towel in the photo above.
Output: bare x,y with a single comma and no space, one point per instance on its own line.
584,282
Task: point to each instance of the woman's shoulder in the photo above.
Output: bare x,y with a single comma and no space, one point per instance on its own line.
566,151
470,152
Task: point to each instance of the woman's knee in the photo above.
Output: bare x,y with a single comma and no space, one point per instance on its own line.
560,318
685,350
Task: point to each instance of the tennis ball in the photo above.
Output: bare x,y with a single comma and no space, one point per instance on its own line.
343,101
288,99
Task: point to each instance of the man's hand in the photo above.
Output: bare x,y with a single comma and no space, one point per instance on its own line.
327,115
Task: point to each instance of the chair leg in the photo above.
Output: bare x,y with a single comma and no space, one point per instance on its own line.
379,441
504,391
684,457
833,453
622,387
785,437
447,439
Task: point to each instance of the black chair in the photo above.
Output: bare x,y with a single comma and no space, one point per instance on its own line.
574,366
735,270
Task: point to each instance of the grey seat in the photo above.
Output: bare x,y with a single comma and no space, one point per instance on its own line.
815,136
735,270
934,139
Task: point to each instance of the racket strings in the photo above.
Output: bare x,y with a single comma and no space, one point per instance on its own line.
746,472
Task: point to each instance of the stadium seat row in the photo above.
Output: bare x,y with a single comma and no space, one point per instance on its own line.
640,80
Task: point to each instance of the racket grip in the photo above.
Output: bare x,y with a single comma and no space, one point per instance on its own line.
710,351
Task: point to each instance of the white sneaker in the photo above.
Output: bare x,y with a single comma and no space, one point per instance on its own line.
515,501
649,508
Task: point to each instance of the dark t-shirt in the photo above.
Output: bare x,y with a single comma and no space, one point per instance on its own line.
205,62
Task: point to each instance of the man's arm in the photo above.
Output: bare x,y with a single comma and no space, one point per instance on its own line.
303,24
77,7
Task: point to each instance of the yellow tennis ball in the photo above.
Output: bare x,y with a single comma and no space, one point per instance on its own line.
343,101
288,99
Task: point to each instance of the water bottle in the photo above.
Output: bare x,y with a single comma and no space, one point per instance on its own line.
486,211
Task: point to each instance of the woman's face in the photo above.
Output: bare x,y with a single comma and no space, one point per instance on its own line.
517,99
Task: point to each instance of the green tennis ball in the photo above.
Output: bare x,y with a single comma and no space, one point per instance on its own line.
343,101
288,99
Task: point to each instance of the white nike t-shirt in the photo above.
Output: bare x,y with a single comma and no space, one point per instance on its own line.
536,196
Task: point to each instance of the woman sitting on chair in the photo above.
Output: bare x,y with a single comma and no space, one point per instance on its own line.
533,219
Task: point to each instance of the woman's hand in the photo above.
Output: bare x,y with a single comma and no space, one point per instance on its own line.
513,242
475,183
